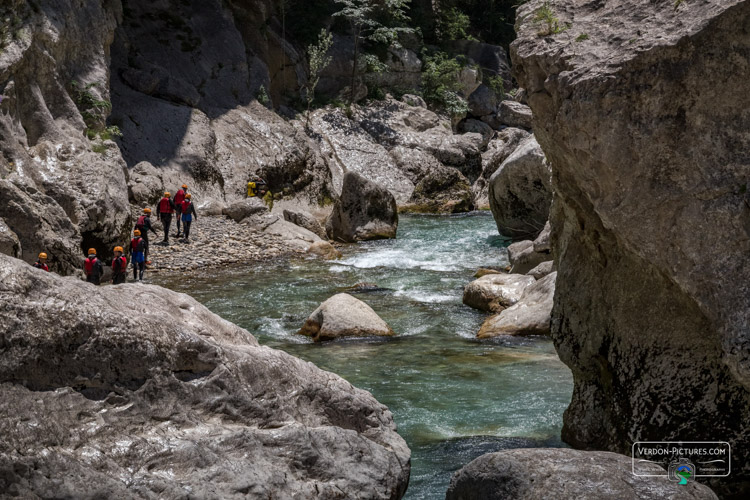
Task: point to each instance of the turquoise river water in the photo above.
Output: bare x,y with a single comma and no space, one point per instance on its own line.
453,397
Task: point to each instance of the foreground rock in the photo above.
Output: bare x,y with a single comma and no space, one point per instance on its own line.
136,391
365,211
542,473
520,192
529,316
344,316
632,288
495,292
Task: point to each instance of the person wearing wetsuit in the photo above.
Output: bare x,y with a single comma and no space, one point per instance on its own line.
93,268
165,208
178,199
42,262
144,226
188,213
119,267
137,257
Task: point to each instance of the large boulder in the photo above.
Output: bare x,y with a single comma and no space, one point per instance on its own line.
325,250
529,316
305,220
9,243
514,114
344,316
442,190
520,192
542,473
365,211
491,59
239,210
495,292
136,391
482,101
652,224
500,147
145,186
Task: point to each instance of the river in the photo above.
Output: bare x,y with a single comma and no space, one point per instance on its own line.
453,397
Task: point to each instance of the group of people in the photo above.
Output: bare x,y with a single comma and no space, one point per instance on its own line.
182,206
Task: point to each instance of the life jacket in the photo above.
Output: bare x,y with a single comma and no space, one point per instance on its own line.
88,265
186,207
135,243
179,197
39,265
141,222
164,206
123,263
250,189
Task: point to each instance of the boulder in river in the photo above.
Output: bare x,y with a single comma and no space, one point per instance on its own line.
443,190
520,192
523,257
495,292
543,473
365,211
305,220
344,316
542,270
324,249
241,209
529,316
649,144
136,391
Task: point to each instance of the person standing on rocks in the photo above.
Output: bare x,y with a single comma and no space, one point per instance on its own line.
178,199
119,267
137,258
165,207
144,226
188,212
93,268
41,263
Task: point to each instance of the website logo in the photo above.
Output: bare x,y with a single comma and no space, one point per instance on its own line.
682,461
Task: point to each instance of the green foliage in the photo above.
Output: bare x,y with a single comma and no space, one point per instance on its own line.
496,84
94,110
99,148
677,4
319,59
441,84
262,96
547,21
453,25
582,37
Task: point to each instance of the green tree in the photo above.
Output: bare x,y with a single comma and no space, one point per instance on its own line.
318,60
378,21
441,83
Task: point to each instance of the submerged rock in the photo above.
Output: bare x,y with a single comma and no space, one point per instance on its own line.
652,228
138,391
483,271
325,250
529,316
344,316
543,473
365,211
495,292
520,192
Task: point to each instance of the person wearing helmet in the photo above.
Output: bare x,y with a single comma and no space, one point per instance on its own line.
137,257
93,268
165,208
143,224
42,262
178,199
119,267
188,213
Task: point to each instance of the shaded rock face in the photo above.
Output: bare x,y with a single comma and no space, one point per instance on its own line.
520,192
156,397
365,211
542,473
344,316
636,286
529,316
56,194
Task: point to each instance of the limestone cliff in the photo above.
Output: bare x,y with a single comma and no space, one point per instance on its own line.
642,110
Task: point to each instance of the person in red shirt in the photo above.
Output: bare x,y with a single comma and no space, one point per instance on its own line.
42,262
178,199
93,268
188,212
119,267
165,208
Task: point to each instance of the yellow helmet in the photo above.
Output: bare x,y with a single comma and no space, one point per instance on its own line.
92,251
42,255
167,194
188,195
118,249
146,210
137,232
184,186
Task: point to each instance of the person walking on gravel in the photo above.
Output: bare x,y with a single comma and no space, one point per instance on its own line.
178,199
188,213
165,208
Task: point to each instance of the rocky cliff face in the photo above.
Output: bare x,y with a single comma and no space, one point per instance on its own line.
134,391
644,120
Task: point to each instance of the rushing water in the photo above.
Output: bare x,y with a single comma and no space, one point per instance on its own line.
453,397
